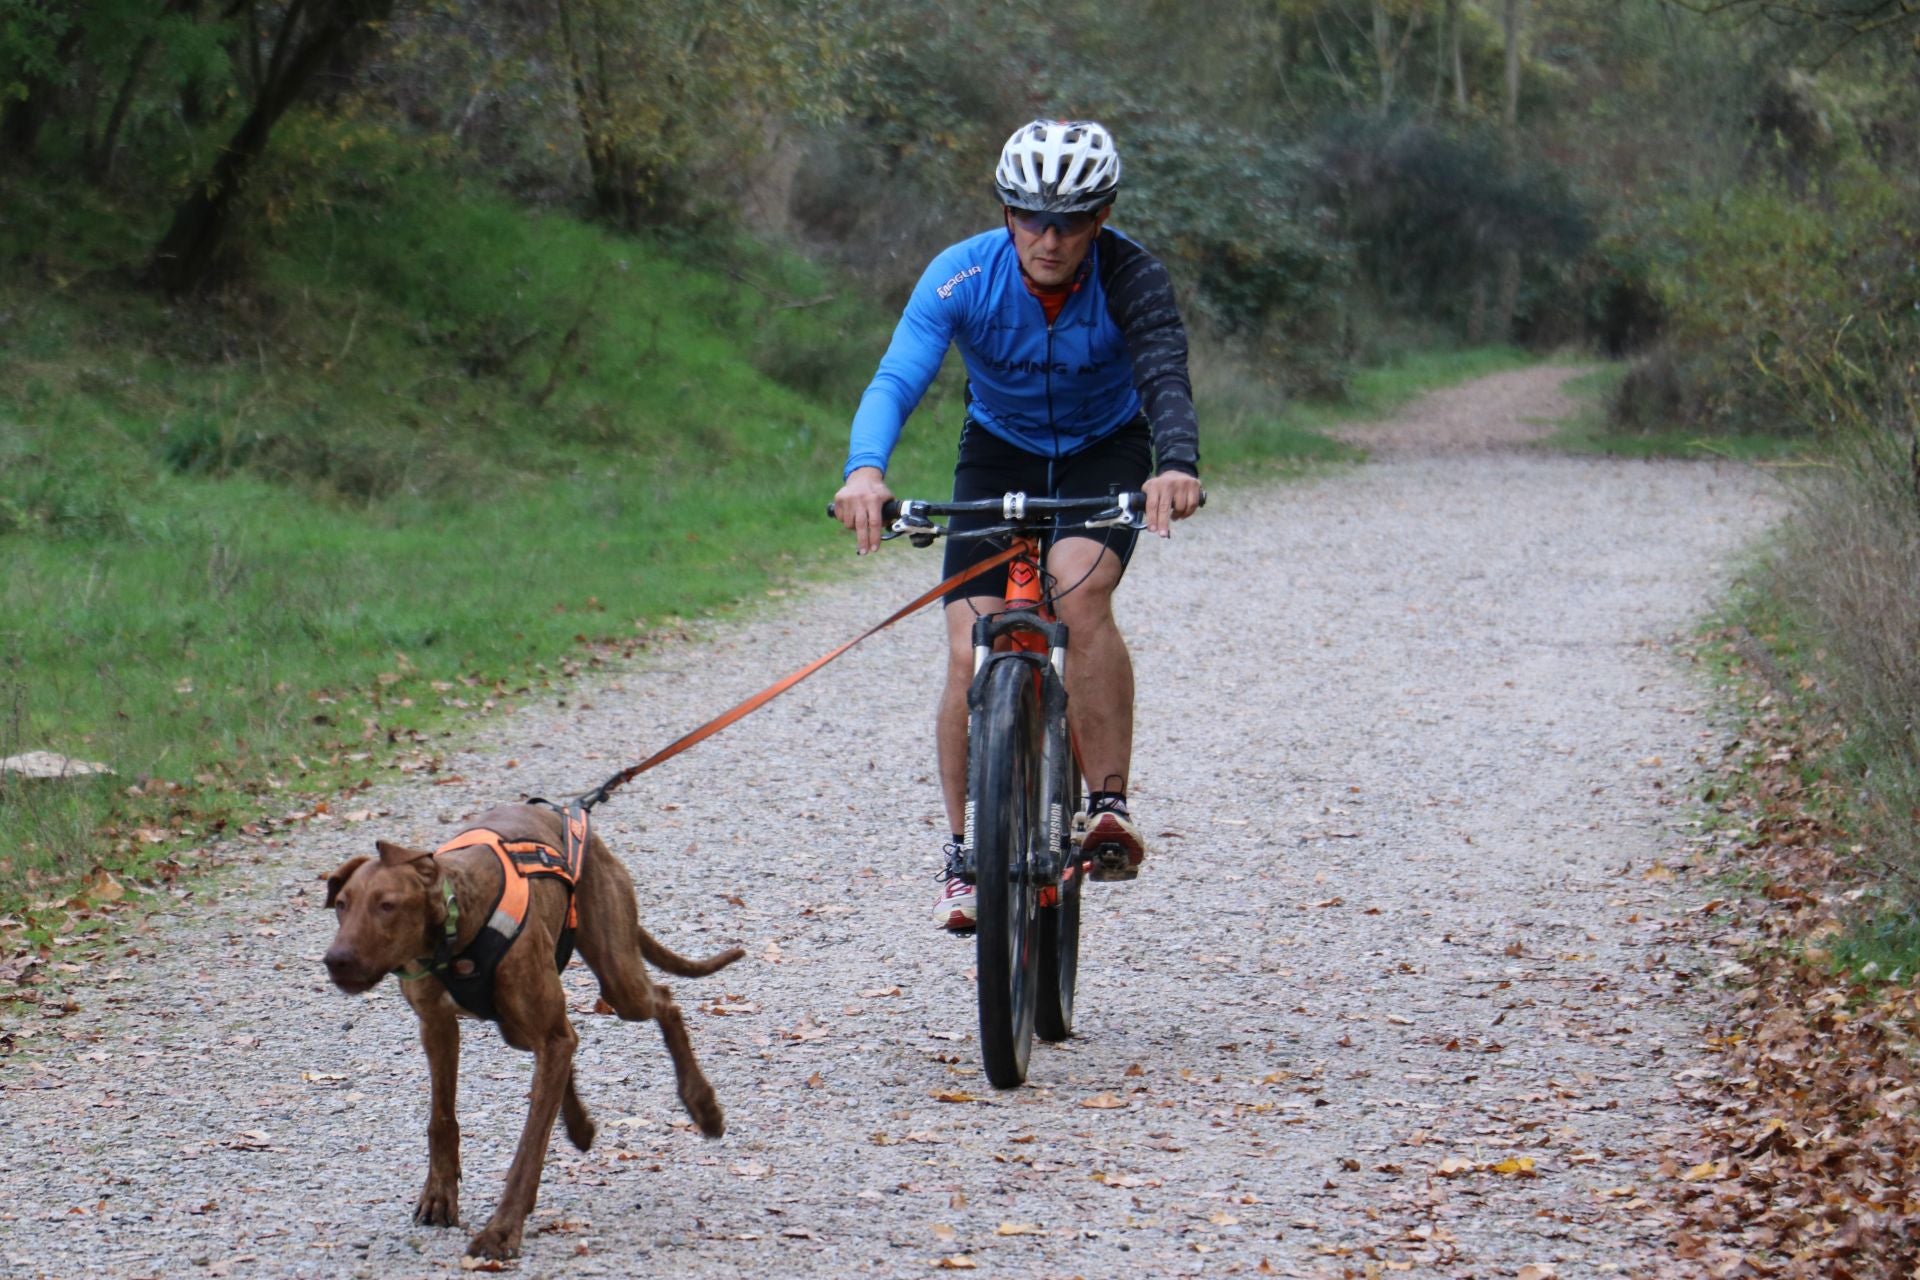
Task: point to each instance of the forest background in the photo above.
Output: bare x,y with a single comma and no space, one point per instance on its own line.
367,362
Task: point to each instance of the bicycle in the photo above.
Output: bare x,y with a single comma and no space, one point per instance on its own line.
1024,781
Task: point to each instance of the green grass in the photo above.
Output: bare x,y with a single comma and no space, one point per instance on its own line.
1838,778
261,543
1591,431
1375,393
1248,426
437,454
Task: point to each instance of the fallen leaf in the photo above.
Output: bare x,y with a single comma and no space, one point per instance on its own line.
1514,1167
1019,1229
953,1095
958,1262
1103,1102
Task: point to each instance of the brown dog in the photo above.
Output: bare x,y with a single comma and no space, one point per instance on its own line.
393,915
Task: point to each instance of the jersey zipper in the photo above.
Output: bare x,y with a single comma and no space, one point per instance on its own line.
1051,425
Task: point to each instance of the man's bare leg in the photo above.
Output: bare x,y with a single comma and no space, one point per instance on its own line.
950,724
1099,668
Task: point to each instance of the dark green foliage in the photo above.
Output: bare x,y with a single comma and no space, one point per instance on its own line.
1428,209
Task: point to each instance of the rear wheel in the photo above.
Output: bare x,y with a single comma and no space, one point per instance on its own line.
1003,783
1060,928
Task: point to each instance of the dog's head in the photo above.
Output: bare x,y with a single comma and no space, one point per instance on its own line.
390,913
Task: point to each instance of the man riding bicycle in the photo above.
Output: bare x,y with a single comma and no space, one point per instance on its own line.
1077,384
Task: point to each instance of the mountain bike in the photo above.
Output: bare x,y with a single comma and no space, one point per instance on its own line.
1024,781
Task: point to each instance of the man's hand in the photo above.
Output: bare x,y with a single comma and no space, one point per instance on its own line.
1171,495
858,504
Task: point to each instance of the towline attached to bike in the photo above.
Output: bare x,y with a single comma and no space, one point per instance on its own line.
1024,780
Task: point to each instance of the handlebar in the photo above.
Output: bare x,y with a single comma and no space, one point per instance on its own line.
1012,506
913,516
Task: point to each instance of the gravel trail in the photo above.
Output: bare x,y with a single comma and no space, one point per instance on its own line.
1400,986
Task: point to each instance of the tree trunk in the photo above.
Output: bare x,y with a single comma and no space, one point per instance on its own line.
1382,54
191,249
24,117
1459,63
592,143
1508,292
107,152
1510,100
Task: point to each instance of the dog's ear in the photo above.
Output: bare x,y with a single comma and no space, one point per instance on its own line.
338,880
398,855
420,860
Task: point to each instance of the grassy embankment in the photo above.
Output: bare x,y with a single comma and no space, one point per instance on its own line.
1592,431
440,453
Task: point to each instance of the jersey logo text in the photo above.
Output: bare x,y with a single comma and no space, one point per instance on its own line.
946,290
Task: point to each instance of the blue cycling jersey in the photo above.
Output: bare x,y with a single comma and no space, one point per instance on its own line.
1048,389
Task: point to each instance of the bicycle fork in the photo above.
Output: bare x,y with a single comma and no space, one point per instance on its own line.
1040,643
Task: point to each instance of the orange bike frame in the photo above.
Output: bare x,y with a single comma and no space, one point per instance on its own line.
1026,593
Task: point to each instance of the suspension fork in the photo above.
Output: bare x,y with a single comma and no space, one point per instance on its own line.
1028,632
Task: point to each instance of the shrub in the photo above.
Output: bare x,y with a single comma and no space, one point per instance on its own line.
1781,312
1427,211
1236,220
62,496
1850,567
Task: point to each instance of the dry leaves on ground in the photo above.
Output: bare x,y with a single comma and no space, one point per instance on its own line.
1809,1160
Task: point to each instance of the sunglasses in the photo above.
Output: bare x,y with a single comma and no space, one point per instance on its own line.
1035,222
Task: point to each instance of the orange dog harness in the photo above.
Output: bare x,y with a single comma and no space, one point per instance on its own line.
468,976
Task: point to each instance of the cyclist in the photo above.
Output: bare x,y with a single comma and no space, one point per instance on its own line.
1077,381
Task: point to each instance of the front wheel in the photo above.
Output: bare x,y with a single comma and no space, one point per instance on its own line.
1003,786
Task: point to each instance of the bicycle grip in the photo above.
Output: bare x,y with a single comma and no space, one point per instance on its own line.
889,510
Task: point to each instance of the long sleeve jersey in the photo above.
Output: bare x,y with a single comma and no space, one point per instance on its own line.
1117,348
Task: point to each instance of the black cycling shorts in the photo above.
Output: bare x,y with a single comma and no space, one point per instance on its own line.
989,467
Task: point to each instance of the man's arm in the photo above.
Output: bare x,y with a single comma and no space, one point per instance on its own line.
912,360
1140,299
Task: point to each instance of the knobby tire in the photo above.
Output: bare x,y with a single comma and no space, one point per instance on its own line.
1003,780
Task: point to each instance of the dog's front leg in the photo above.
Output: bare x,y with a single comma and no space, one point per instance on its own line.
552,1068
439,1204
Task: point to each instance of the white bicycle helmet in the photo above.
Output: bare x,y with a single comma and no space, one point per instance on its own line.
1058,166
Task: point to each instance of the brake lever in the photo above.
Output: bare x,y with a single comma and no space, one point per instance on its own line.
1115,518
915,528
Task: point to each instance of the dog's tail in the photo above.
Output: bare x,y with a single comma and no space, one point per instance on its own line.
661,956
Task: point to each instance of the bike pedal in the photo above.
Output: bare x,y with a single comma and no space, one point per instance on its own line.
1109,863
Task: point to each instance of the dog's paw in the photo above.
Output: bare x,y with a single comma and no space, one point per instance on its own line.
496,1242
438,1207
